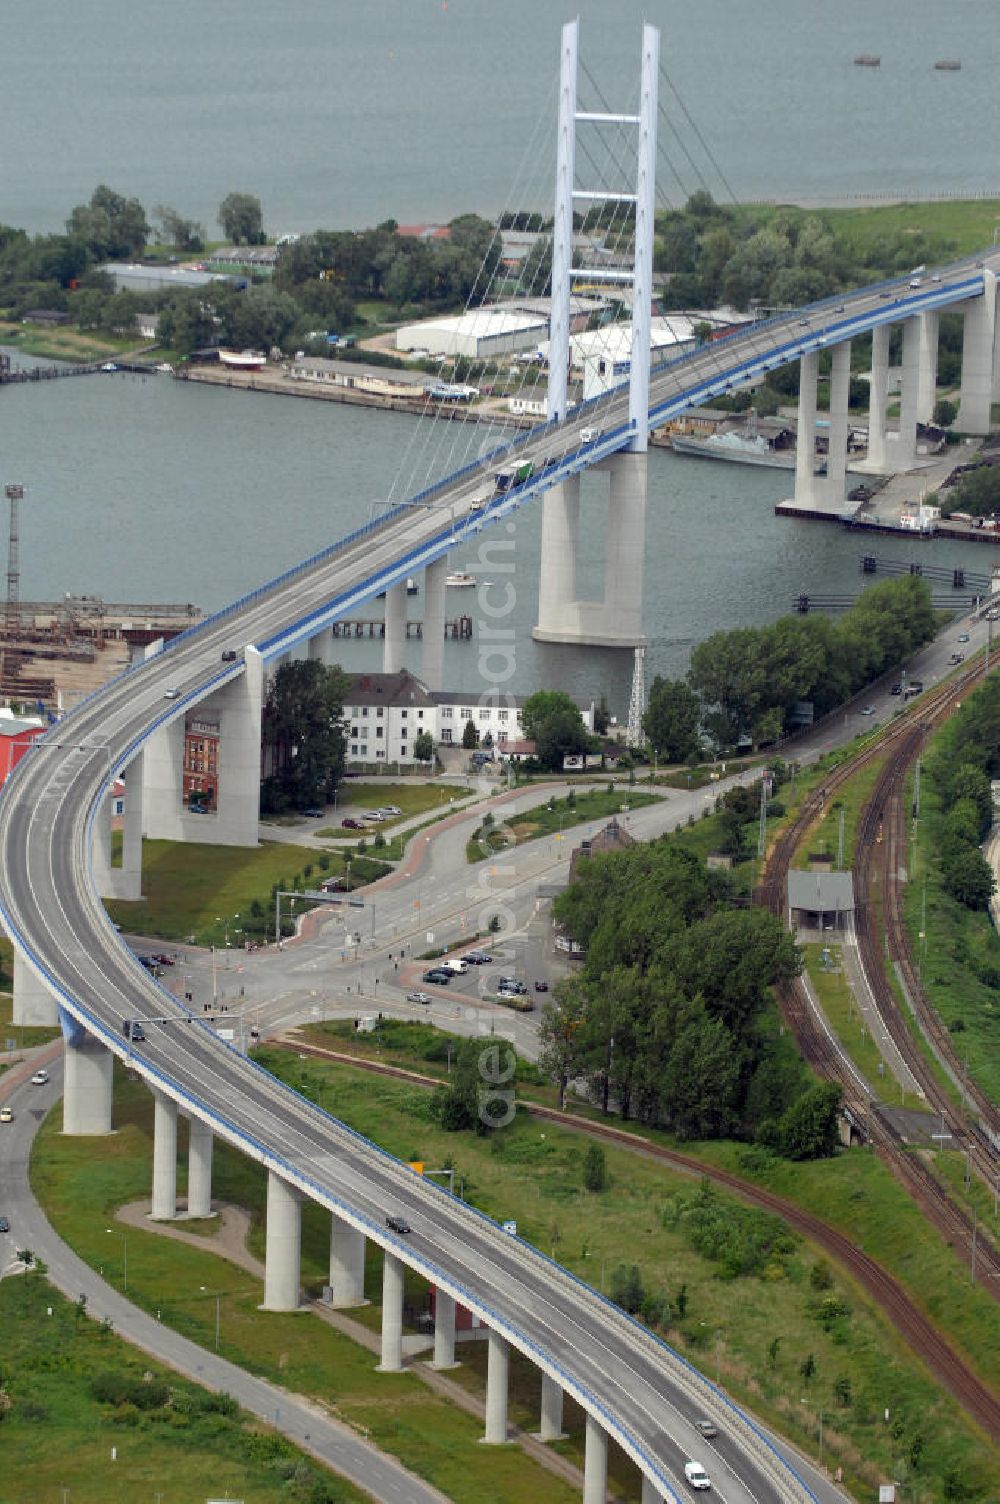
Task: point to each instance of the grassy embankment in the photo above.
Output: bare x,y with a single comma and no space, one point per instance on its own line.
946,228
200,894
759,1328
82,1183
960,954
58,1435
554,817
64,343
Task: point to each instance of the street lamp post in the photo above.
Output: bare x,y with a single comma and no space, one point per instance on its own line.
124,1257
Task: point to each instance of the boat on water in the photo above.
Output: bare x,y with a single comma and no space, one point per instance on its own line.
868,60
948,65
246,360
746,445
460,581
166,368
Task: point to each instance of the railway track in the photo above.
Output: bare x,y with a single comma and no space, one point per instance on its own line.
897,748
948,1367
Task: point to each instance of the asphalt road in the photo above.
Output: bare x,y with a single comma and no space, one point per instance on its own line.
640,1391
333,1444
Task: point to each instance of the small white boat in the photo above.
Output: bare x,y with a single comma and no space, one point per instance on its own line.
247,360
166,368
460,581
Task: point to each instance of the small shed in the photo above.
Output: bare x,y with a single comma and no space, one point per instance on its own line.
820,900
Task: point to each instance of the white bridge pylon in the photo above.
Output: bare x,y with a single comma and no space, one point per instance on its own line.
615,621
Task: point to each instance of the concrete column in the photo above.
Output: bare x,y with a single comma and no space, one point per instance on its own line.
164,1157
557,569
877,396
444,1330
347,1264
595,1463
200,1142
836,459
927,364
979,353
87,1087
497,1365
284,1245
650,1492
320,646
552,1409
34,1004
394,645
905,453
432,644
805,450
626,548
236,710
392,1314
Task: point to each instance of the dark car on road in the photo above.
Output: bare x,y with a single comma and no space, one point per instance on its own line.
478,958
438,976
4,1225
351,824
397,1224
541,986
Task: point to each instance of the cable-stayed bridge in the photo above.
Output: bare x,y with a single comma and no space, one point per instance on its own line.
55,831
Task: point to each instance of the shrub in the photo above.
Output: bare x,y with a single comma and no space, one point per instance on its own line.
627,1289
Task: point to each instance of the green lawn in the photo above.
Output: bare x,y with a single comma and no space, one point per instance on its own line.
412,799
191,891
554,817
81,1182
58,1436
952,227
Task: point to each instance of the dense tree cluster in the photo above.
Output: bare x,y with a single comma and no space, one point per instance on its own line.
746,682
966,758
667,1020
552,720
303,734
977,492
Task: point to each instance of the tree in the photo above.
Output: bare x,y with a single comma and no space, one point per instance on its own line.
110,226
183,234
470,736
627,1289
672,720
423,746
242,219
304,733
553,722
595,1168
808,1128
944,413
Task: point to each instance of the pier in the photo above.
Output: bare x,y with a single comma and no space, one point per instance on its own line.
459,629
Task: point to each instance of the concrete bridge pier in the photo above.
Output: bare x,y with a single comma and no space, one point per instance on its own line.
805,444
878,393
164,1207
87,1087
231,714
552,1409
284,1245
125,880
616,621
557,575
394,643
497,1369
34,1005
444,1330
392,1314
320,646
347,1263
927,364
432,644
905,455
836,459
595,1463
200,1143
980,354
